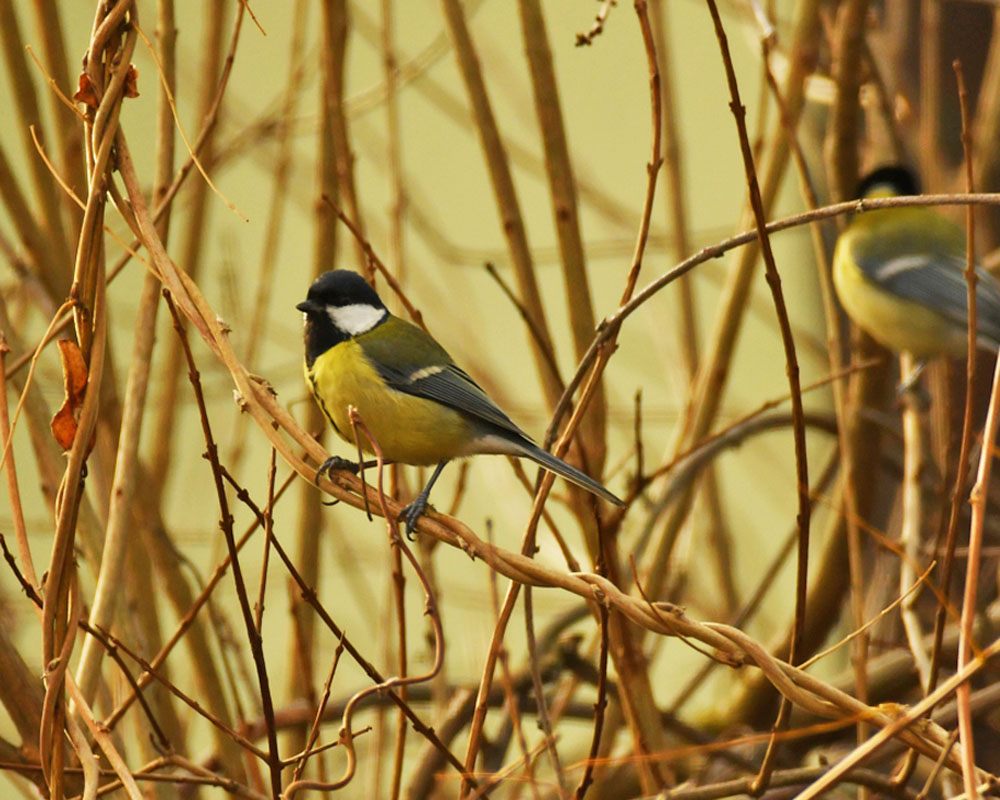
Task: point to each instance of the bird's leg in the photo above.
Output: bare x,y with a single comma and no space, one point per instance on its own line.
336,462
414,510
909,386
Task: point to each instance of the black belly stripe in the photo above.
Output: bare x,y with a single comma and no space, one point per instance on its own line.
322,405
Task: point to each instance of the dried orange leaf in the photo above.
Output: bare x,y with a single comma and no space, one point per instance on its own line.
64,422
86,93
64,427
131,87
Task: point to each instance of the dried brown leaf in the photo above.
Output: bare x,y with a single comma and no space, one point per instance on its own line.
86,92
132,81
64,422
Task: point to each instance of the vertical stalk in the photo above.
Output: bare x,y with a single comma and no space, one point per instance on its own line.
912,525
119,529
715,527
842,168
67,132
397,263
977,497
336,22
198,207
8,466
565,212
709,388
508,206
108,57
38,252
280,177
28,114
986,124
126,471
929,119
394,150
310,523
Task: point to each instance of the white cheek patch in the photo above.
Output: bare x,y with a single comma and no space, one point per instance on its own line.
355,319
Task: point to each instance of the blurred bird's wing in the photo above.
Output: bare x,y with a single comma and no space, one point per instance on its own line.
429,372
935,279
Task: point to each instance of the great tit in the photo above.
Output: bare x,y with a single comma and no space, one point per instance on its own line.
899,275
420,407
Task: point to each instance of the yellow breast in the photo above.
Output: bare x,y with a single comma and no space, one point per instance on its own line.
897,323
408,429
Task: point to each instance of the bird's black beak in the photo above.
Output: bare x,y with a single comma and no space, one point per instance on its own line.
307,306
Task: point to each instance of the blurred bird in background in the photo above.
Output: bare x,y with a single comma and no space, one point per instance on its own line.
899,275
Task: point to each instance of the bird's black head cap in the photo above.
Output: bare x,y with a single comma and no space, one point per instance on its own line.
342,287
902,180
338,289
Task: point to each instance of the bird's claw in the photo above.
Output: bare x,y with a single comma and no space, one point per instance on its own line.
336,462
411,513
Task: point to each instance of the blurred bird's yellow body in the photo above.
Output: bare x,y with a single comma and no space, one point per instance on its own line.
899,274
892,320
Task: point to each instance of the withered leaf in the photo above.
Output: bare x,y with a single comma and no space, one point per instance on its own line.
86,92
64,422
131,87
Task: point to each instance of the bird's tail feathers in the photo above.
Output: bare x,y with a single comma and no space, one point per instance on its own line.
572,474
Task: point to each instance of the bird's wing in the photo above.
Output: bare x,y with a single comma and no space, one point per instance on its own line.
428,372
934,278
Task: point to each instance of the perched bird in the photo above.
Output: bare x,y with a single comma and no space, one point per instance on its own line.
420,407
899,275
